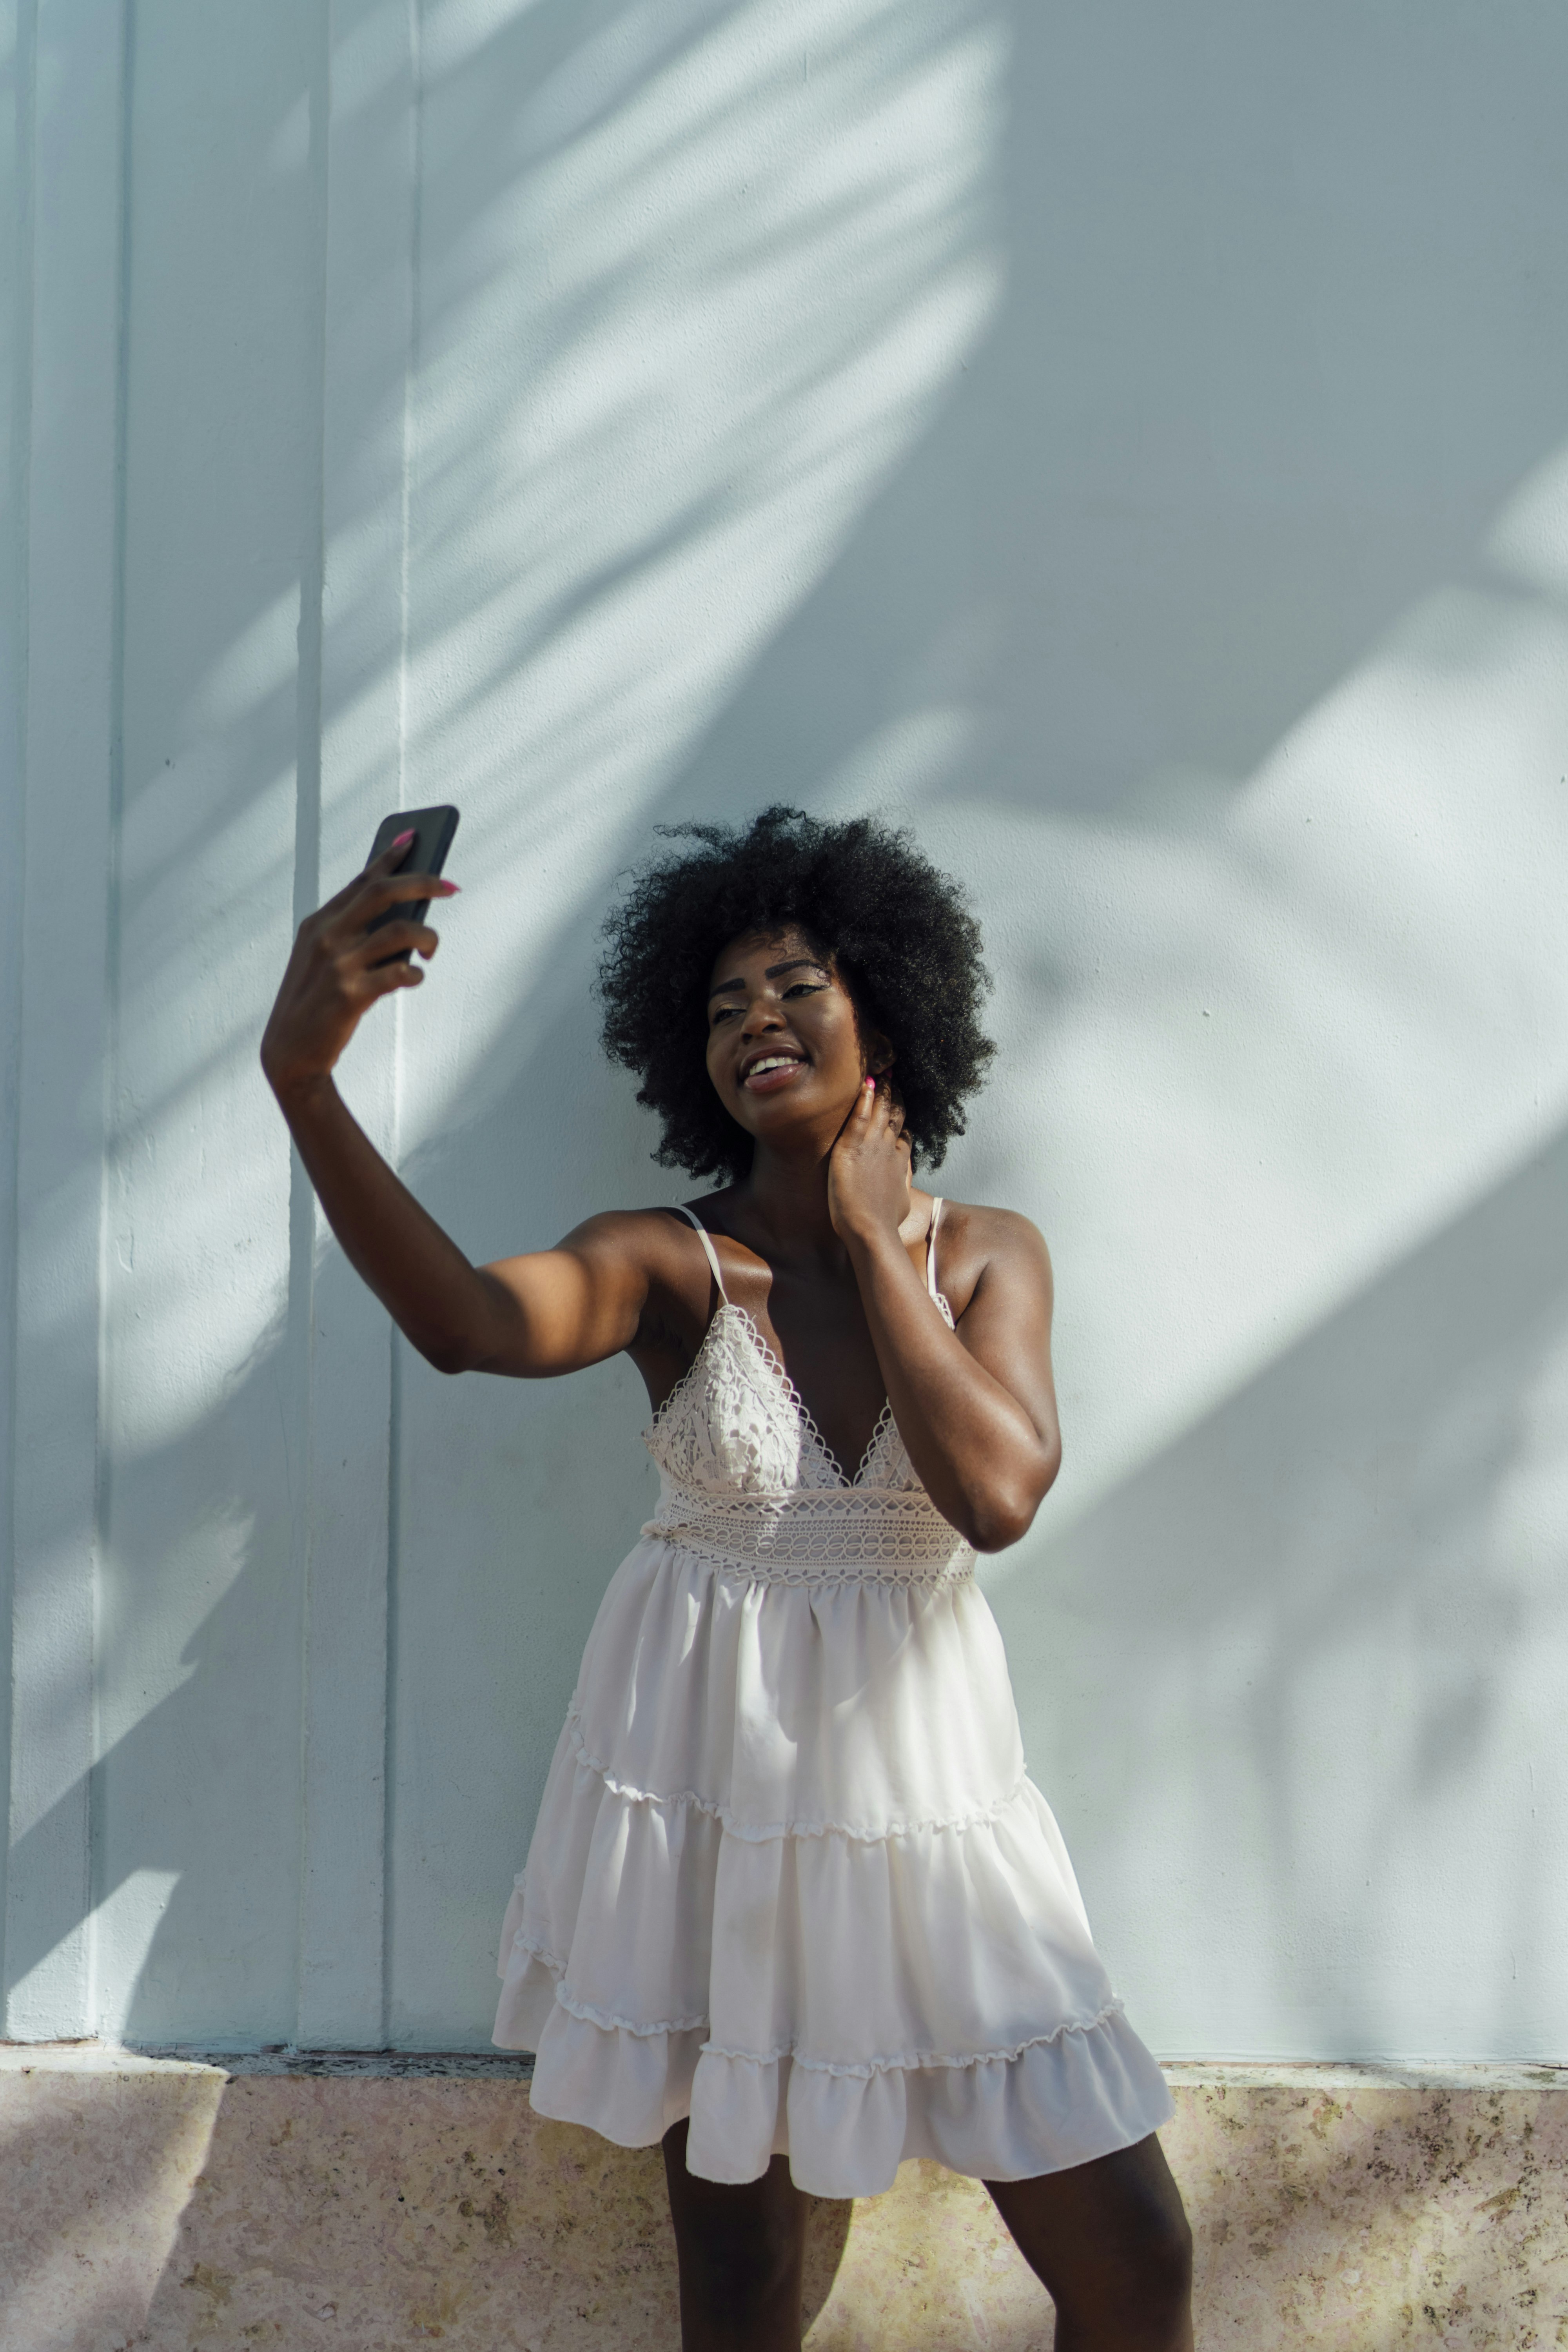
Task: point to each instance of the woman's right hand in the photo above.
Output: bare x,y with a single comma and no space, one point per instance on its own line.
339,969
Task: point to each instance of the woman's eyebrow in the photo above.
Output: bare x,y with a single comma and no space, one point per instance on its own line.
770,971
795,964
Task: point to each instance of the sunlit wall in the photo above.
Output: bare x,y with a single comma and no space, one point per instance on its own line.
1127,444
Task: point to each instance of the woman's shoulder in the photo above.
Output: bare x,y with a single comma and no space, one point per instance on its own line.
652,1249
981,1226
639,1233
975,1240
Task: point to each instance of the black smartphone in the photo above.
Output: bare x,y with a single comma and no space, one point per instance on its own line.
426,854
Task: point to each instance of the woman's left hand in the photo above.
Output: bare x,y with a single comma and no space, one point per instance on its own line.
869,1169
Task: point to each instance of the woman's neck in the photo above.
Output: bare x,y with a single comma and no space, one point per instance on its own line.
787,1194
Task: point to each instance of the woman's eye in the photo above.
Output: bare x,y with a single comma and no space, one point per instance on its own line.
805,988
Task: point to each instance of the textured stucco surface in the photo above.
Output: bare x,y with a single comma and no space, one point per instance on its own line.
186,2208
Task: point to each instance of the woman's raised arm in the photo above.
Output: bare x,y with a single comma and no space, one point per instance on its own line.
976,1410
552,1311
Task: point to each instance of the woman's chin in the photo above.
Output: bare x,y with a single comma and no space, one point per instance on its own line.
790,1116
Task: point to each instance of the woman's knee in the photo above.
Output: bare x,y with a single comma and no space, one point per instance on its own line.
1164,2255
1111,2241
739,2246
1138,2294
735,2271
1152,2235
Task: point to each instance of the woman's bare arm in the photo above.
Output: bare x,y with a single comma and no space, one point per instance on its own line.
549,1311
977,1413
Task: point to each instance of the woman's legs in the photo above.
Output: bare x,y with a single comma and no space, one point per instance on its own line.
1111,2241
741,2248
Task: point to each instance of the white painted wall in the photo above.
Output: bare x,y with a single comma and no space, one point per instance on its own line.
1130,443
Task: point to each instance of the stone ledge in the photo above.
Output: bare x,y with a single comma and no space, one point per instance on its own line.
284,2058
272,2058
200,2201
1362,2074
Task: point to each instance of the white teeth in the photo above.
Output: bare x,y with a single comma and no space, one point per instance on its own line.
772,1062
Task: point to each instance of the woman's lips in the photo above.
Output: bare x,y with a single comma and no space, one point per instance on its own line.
768,1082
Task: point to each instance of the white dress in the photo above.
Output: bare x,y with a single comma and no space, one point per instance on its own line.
789,1875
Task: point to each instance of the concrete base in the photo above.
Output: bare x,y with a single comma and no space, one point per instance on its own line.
377,2204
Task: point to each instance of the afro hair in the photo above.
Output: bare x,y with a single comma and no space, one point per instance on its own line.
899,932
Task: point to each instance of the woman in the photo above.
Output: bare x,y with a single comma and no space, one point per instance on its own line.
792,1906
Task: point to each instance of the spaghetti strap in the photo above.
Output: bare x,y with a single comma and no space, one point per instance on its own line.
708,1250
930,1244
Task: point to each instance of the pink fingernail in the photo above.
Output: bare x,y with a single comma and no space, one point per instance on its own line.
448,890
404,839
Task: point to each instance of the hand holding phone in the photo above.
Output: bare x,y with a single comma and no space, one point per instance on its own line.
335,973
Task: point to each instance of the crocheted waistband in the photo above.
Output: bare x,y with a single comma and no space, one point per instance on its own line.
835,1534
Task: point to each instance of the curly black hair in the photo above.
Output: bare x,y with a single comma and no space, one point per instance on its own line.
899,932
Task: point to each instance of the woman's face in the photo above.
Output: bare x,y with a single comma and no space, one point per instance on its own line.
784,1048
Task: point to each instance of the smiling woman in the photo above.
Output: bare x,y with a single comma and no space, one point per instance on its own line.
792,1906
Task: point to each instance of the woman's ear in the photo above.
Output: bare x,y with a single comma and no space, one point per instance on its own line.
879,1055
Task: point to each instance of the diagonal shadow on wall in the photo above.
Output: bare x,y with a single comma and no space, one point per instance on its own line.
1359,1537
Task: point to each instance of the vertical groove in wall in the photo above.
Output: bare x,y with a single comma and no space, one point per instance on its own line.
19,395
312,551
76,171
415,172
389,1756
102,1496
307,885
395,1341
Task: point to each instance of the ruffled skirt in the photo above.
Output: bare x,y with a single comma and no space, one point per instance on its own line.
789,1879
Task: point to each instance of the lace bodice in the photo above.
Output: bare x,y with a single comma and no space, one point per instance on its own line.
736,1426
748,1477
